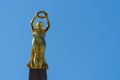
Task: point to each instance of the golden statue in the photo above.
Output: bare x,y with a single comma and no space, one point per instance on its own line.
37,60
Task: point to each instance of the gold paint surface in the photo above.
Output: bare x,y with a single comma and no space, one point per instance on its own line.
37,59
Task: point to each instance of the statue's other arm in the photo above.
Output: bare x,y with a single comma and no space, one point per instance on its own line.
32,23
48,24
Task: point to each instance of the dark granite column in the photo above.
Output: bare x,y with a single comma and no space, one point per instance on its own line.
37,74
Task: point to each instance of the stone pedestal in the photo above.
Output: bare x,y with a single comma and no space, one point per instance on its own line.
37,74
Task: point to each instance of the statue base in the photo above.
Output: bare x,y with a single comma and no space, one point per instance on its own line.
37,74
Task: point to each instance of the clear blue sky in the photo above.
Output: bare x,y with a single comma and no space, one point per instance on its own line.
83,42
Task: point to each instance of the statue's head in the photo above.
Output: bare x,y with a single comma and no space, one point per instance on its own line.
39,25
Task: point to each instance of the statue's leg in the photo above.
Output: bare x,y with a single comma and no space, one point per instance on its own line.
44,65
31,62
39,61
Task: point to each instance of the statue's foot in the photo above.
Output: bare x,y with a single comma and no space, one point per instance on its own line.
29,65
45,66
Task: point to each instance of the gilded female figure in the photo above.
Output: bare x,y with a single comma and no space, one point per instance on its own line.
37,60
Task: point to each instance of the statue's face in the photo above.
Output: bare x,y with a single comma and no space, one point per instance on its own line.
39,25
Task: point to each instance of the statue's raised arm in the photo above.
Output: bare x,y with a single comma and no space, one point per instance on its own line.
32,22
48,23
45,16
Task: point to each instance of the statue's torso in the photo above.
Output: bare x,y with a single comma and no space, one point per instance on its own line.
38,38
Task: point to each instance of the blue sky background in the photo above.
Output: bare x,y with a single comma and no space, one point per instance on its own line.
83,42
